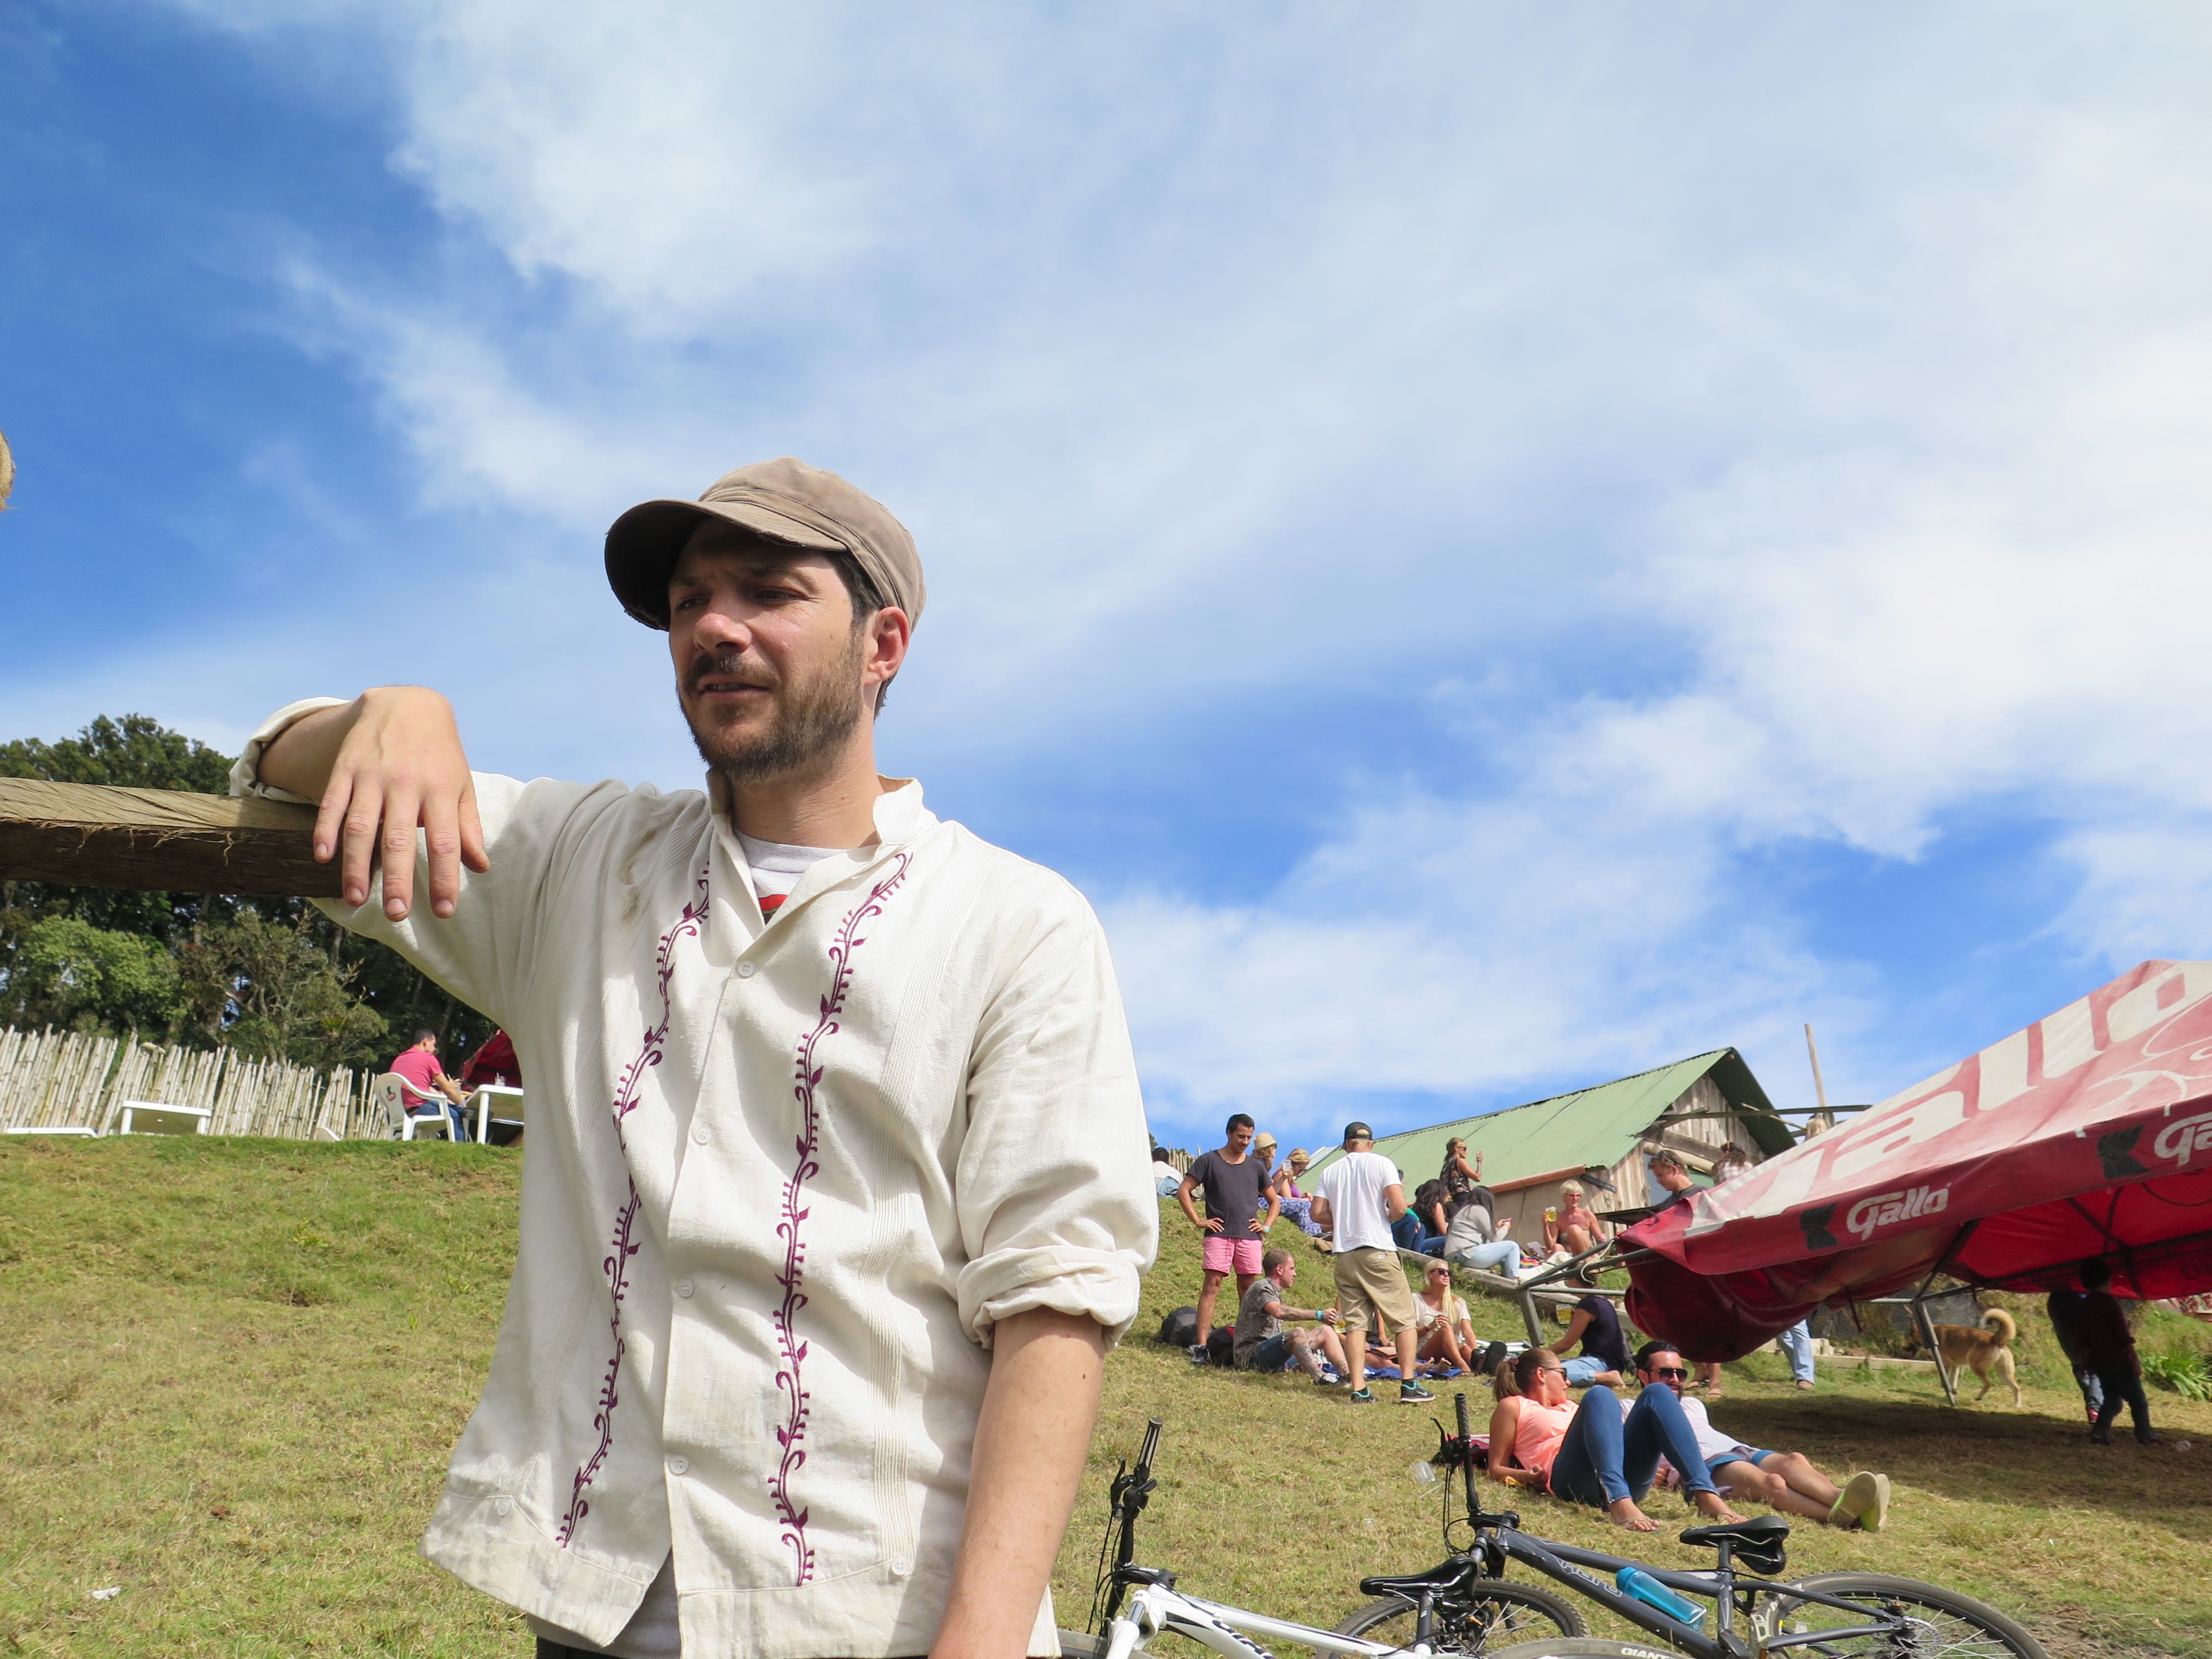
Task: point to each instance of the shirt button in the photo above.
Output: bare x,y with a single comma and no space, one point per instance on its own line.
677,1465
504,1506
699,1134
683,1287
745,970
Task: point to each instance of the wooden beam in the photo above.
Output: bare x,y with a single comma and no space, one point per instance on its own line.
87,835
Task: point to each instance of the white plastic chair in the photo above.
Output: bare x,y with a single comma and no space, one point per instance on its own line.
394,1093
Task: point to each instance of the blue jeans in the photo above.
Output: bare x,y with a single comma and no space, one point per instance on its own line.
1797,1343
2092,1391
458,1123
1501,1256
1604,1460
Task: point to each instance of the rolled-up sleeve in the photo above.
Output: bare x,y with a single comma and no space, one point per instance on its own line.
245,771
1053,1183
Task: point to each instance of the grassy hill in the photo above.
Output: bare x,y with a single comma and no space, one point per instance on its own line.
235,1370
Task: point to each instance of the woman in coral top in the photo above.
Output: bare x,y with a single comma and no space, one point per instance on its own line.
1593,1453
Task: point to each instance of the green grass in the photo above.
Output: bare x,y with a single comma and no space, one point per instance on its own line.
235,1369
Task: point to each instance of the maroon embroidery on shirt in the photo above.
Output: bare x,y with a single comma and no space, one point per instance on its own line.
791,1434
616,1266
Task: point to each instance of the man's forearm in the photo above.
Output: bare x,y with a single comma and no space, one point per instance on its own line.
1039,1409
300,758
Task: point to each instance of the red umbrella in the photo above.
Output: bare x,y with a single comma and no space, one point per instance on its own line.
2088,1134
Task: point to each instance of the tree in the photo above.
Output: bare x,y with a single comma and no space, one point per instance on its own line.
267,987
68,972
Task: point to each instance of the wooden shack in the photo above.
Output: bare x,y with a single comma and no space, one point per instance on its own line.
1695,1107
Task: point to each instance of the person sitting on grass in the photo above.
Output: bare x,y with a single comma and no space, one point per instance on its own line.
1596,1326
1447,1333
1594,1455
1263,1342
1789,1481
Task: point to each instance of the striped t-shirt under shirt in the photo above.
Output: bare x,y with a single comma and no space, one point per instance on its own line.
777,867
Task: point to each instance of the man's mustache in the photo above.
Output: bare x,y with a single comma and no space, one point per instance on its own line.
727,666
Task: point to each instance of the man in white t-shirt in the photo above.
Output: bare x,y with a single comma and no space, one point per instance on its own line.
1359,1196
1789,1481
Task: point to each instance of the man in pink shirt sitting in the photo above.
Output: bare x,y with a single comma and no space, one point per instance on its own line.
418,1064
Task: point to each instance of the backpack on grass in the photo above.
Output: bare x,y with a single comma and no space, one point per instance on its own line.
1180,1329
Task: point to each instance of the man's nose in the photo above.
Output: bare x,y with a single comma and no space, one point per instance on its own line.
720,626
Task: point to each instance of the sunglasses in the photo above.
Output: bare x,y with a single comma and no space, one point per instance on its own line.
1669,1373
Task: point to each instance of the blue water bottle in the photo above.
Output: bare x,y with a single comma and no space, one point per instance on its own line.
1635,1582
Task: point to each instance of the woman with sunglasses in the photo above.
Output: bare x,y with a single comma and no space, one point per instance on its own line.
1446,1331
1594,1454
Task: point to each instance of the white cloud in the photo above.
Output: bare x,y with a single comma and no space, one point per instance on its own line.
1788,431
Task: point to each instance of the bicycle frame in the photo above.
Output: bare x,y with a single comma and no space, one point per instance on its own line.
1159,1608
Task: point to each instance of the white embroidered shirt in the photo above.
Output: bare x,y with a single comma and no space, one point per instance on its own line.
781,1179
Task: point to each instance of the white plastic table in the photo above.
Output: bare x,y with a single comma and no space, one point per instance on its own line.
485,1096
154,1117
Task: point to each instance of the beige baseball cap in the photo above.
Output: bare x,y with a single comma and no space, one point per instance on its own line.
784,501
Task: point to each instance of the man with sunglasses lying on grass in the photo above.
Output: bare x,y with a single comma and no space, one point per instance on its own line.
1789,1481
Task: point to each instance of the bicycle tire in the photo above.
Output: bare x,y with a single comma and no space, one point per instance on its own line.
1510,1612
1080,1644
1582,1647
1962,1627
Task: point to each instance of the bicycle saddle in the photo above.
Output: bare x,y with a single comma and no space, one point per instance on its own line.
1758,1542
1442,1576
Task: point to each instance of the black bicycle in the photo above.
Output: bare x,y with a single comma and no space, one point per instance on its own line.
1838,1615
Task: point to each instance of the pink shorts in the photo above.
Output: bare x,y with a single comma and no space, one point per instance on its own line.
1224,1255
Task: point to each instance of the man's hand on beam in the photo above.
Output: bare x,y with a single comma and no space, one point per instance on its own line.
387,764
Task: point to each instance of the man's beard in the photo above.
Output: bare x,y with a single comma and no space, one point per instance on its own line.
809,717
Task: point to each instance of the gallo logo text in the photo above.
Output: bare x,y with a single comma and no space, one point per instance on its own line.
1886,1209
2185,1140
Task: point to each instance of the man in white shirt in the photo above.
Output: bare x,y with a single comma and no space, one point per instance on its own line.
836,1186
1359,1196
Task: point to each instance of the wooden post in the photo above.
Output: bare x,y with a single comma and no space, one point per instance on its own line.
89,835
1824,1119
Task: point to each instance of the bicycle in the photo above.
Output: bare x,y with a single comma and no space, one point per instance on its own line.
1462,1605
1835,1615
1131,1605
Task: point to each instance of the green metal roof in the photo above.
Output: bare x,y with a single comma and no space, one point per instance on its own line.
1591,1128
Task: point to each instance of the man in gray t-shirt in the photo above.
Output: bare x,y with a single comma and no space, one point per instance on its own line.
1235,1185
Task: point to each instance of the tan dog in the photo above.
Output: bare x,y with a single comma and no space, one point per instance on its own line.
1986,1350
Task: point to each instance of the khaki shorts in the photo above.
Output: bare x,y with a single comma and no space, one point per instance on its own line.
1371,1289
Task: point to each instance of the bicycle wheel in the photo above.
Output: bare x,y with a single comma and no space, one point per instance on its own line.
1080,1644
1943,1624
1580,1647
1500,1613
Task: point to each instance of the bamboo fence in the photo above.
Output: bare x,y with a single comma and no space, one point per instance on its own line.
53,1080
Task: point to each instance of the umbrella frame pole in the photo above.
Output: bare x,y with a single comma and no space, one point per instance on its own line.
1926,1321
1934,1349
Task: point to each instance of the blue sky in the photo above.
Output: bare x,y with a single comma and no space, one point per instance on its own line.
1499,550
